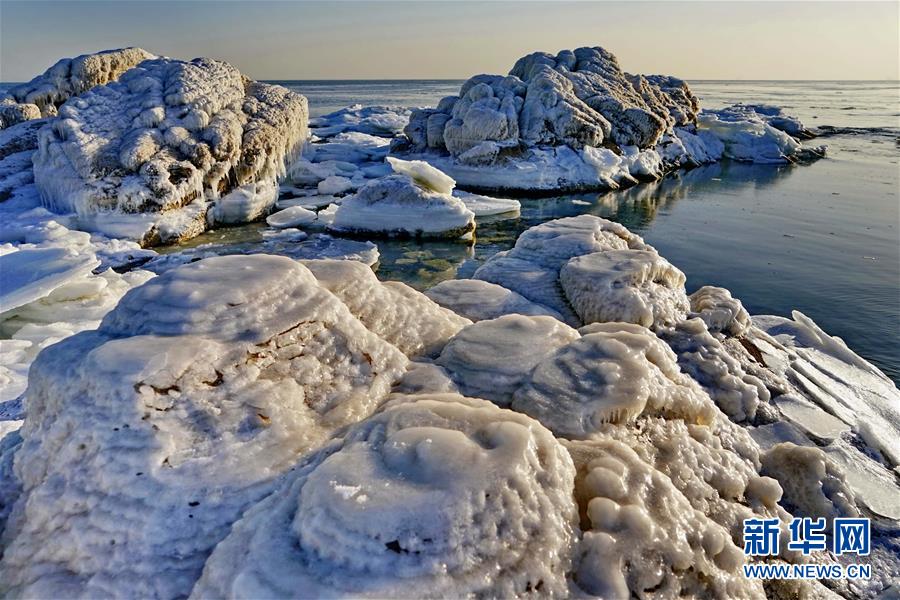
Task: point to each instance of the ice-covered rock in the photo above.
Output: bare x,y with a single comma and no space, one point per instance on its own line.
295,216
577,122
146,439
393,310
414,201
645,537
719,310
612,374
435,496
532,267
166,134
492,358
631,286
749,140
479,300
43,95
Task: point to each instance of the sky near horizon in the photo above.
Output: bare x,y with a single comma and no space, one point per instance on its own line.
454,40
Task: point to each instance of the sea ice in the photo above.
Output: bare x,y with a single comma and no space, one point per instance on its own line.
295,216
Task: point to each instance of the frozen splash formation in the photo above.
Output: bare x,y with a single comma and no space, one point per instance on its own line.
577,121
43,95
174,139
255,426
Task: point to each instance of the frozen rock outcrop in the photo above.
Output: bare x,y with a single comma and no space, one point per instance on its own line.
43,95
169,136
393,310
577,121
612,374
415,201
532,267
435,496
145,440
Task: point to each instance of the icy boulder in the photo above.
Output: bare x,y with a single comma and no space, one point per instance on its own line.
435,496
532,267
540,126
719,310
575,121
631,286
146,439
43,95
613,374
393,310
167,136
415,201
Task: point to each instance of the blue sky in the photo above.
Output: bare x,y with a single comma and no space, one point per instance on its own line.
369,40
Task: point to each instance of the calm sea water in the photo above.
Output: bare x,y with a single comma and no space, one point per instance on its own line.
822,238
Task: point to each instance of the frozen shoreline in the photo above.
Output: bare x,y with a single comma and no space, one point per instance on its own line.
260,385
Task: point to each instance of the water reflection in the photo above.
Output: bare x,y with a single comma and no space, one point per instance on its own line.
424,264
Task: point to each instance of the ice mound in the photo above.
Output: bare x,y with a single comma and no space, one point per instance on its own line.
718,368
810,480
43,95
414,201
435,496
167,136
487,206
145,440
293,216
479,300
631,286
491,358
532,267
719,310
393,310
613,374
645,537
576,122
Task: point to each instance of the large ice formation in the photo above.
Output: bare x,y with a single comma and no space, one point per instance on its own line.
43,95
435,496
157,146
144,440
577,121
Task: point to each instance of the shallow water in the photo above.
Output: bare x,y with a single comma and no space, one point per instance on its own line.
823,239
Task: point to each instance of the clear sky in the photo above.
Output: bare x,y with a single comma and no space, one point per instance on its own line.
453,40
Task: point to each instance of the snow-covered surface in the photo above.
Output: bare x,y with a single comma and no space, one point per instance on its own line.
479,300
415,201
576,121
294,216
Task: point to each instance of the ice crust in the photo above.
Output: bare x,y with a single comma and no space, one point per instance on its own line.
576,121
435,496
170,136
